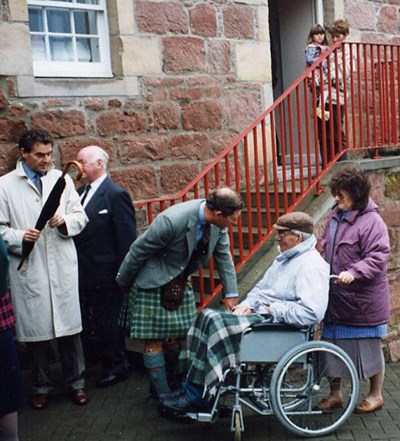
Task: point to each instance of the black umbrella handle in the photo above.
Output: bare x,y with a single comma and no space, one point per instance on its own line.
68,166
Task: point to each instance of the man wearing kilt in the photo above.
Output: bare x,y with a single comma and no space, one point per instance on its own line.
294,290
160,304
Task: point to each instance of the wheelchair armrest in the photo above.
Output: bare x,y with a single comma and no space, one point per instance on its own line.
263,326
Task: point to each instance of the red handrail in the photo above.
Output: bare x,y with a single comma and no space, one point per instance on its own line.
282,156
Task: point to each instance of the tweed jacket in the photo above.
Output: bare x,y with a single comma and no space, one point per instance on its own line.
164,250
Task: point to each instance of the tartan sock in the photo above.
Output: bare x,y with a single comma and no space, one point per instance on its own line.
155,364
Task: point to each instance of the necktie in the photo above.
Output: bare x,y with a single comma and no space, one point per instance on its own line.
38,183
85,193
205,237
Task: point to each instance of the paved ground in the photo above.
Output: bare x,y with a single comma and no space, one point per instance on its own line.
124,412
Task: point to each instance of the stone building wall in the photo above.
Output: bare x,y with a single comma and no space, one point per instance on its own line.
374,21
185,83
386,193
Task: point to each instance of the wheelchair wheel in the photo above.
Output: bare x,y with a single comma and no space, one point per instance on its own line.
300,382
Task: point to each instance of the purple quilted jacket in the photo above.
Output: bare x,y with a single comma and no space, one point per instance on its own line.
361,248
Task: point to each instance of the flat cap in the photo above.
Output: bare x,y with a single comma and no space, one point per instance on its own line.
295,221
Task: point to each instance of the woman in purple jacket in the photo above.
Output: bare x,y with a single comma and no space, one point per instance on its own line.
356,245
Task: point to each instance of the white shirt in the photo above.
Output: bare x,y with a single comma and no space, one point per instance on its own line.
93,188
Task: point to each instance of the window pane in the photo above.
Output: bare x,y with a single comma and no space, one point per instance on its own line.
88,49
88,2
61,49
58,21
85,22
38,48
36,20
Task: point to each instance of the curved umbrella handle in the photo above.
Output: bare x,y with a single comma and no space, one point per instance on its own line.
78,168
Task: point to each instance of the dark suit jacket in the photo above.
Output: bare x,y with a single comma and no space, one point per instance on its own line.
106,239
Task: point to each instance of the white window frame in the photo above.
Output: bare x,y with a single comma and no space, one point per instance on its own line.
74,69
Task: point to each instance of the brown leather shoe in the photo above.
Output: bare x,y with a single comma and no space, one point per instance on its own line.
329,403
79,397
39,401
368,406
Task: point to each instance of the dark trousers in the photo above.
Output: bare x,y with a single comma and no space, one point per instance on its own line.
103,340
72,362
334,132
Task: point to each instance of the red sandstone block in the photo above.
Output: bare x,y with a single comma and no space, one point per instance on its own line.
219,56
238,22
114,103
114,122
12,88
388,19
140,182
3,101
161,17
184,54
9,154
241,107
138,149
163,82
204,81
180,93
361,15
166,115
201,116
11,130
94,104
189,147
174,178
57,102
60,123
203,20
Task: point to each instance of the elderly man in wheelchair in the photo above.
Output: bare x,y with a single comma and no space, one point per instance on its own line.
292,296
294,290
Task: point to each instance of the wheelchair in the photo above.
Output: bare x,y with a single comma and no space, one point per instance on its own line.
282,372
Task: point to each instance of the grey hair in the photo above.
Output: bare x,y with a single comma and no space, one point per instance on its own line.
101,154
305,236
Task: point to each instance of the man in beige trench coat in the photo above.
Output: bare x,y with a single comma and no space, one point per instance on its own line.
45,290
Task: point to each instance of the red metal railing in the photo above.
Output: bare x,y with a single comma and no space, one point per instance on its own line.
282,156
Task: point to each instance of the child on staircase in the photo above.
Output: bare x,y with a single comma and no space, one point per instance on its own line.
317,44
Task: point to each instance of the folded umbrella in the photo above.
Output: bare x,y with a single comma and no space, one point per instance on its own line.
50,207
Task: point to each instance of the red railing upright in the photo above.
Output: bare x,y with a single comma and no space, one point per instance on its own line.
282,156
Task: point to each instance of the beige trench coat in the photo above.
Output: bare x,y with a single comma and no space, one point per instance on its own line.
45,291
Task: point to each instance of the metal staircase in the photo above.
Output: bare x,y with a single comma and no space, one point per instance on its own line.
278,161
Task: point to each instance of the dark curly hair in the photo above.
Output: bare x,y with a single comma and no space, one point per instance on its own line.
33,136
355,182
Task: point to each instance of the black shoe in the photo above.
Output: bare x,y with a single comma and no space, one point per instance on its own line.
178,404
111,377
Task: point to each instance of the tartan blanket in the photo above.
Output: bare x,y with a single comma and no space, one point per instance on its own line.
213,344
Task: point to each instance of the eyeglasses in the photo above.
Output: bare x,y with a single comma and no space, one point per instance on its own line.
282,234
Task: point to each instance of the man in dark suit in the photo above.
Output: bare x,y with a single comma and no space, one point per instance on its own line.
101,247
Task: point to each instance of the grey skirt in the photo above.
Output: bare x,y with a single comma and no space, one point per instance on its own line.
366,354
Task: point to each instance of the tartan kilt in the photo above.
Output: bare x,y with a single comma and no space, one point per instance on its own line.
143,316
